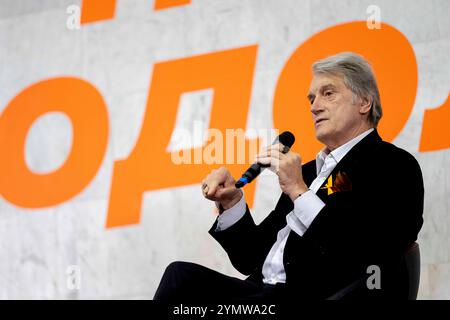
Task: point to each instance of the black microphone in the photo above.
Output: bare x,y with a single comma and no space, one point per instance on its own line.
287,139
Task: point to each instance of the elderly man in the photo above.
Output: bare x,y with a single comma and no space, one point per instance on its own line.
350,213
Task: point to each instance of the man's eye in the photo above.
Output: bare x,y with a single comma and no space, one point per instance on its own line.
328,93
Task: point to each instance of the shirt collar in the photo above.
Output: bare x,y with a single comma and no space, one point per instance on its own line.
340,152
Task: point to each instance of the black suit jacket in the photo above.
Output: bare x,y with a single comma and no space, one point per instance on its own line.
371,224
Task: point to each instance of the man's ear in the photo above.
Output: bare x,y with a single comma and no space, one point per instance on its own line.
365,105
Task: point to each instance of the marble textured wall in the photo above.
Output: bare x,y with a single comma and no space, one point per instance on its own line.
37,246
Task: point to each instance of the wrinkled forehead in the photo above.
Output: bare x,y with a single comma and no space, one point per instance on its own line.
322,80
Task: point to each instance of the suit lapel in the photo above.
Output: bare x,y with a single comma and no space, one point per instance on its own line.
309,172
351,161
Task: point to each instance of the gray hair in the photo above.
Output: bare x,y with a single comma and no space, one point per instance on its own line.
358,77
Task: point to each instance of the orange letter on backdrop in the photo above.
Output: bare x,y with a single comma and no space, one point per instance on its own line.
164,4
97,10
149,166
436,128
85,107
393,61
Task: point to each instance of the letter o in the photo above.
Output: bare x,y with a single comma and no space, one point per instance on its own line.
86,109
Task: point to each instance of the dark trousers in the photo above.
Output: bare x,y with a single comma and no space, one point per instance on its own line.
190,282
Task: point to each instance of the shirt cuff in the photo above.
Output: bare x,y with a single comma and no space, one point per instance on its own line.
230,216
307,207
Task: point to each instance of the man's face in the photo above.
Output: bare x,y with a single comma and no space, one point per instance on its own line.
338,115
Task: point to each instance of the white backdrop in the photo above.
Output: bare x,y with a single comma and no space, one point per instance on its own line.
117,56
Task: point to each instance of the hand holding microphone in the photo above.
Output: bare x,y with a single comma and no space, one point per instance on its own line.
220,186
287,165
283,143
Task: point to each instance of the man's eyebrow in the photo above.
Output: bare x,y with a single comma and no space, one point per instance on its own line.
327,86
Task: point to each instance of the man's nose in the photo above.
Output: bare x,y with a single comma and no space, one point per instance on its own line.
316,107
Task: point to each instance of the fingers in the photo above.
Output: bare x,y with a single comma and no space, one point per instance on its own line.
276,150
271,156
212,187
205,191
208,185
204,187
275,147
216,180
225,193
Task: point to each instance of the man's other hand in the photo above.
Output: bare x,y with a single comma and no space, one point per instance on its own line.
219,186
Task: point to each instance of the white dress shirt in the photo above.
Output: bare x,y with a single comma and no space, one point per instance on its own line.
305,211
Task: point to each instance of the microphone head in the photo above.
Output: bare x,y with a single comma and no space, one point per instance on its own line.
286,138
